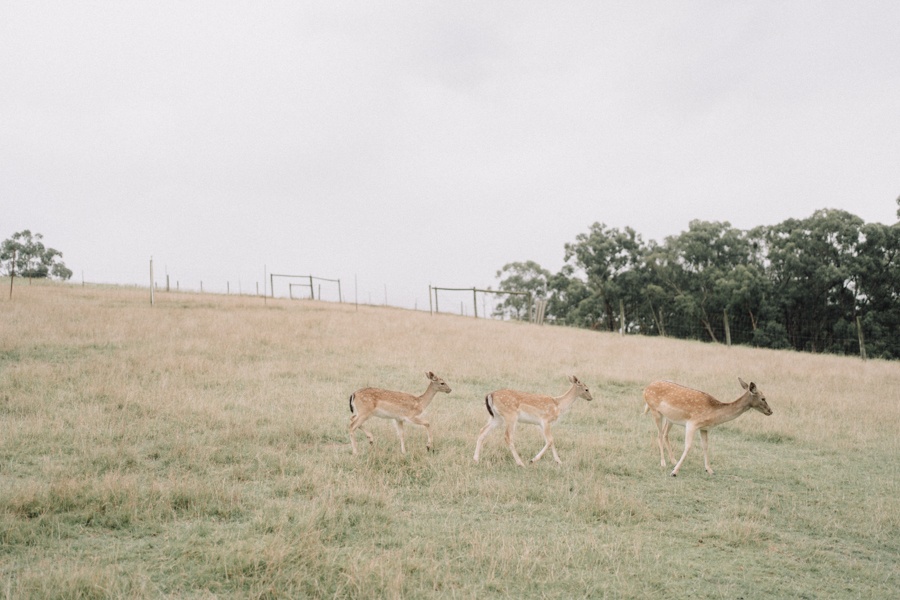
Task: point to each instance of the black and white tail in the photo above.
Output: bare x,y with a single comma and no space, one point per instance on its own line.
488,400
352,396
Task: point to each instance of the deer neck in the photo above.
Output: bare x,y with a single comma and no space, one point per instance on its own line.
732,411
426,398
566,401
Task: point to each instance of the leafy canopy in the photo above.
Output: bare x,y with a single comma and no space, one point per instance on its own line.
32,258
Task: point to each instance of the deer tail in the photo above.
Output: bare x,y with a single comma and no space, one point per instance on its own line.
488,400
352,396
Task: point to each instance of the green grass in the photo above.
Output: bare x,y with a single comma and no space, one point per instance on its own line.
199,449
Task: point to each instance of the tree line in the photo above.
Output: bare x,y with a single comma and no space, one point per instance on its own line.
799,284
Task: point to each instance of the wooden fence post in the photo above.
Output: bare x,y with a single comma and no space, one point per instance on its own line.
539,311
167,282
862,342
151,281
340,298
727,329
13,273
621,317
475,301
430,305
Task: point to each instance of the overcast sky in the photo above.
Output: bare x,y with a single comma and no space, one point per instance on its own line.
411,143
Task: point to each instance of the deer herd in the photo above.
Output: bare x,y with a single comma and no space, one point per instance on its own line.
667,403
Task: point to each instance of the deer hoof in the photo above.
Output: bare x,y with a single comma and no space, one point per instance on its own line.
674,474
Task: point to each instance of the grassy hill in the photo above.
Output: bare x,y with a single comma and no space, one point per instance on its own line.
199,448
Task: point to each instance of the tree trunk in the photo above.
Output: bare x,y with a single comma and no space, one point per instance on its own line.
709,330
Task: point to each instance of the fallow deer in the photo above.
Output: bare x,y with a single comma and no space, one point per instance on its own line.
512,406
672,403
399,406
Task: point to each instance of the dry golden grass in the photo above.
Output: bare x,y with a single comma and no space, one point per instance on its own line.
199,448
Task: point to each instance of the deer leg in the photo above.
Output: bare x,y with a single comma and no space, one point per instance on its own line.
705,442
510,431
667,427
368,434
555,455
548,439
660,430
423,423
356,422
689,429
491,424
399,427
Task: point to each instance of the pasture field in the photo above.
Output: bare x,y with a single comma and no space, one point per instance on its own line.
199,449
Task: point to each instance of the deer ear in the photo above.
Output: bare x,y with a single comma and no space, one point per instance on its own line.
429,375
571,378
743,384
752,387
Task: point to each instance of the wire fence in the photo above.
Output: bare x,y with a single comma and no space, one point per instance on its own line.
727,329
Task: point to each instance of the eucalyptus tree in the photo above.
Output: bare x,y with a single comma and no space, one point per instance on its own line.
525,276
611,261
705,270
32,258
566,293
811,265
876,278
